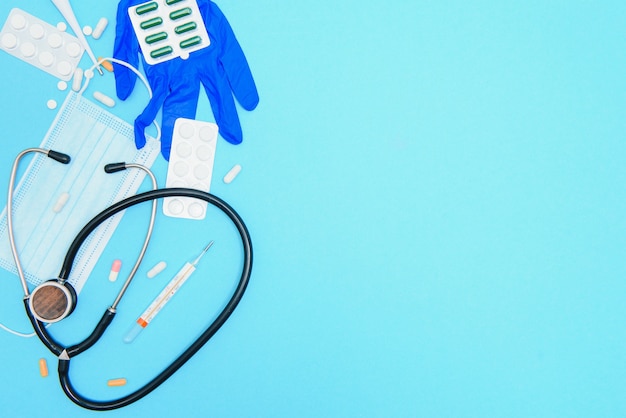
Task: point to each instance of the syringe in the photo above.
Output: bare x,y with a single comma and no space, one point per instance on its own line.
165,295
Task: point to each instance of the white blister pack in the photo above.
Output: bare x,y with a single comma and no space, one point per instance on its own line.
190,166
168,29
40,44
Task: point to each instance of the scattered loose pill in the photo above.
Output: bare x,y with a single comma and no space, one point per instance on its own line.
62,85
52,104
62,26
87,30
61,201
107,65
77,82
115,270
230,176
100,27
43,367
104,99
116,382
159,267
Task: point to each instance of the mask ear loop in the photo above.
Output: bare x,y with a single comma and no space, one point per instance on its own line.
130,67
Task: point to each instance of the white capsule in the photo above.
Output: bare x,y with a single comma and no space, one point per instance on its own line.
104,99
156,269
230,176
100,27
77,82
61,201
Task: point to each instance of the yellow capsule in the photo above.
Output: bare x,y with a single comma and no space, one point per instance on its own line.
117,382
43,367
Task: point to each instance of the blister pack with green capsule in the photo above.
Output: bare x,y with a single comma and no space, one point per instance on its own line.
167,29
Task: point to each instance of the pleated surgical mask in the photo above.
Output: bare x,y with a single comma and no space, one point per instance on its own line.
54,201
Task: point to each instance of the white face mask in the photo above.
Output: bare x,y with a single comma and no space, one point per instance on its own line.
92,137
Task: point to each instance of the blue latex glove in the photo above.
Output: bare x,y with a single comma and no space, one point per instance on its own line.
221,68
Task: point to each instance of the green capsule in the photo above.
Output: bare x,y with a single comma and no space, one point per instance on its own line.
170,2
161,52
179,14
147,8
155,21
156,37
185,28
188,43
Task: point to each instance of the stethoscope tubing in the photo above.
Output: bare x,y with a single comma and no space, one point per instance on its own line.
65,354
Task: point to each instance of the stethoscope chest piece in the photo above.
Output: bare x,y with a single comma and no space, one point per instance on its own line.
52,301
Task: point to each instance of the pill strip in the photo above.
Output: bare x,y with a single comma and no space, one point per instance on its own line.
191,165
167,29
40,44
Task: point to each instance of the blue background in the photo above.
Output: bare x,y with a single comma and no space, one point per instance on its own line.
435,195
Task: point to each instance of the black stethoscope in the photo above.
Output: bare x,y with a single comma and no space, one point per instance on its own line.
56,299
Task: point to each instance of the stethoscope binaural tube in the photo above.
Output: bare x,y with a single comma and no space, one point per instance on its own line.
56,299
65,354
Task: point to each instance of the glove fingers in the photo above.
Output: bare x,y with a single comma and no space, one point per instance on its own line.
224,109
126,48
149,114
232,58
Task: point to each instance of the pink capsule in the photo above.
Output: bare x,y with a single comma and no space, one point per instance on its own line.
115,270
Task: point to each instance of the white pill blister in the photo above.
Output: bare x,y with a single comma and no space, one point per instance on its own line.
40,44
191,166
167,29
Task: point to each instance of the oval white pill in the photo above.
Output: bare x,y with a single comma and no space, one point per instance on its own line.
196,210
55,40
77,82
61,201
159,267
186,130
18,21
64,68
100,27
28,49
46,58
9,40
208,133
181,168
203,152
230,176
201,172
175,207
36,31
73,49
104,99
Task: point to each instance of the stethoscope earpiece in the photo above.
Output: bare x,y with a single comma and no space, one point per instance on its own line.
52,301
